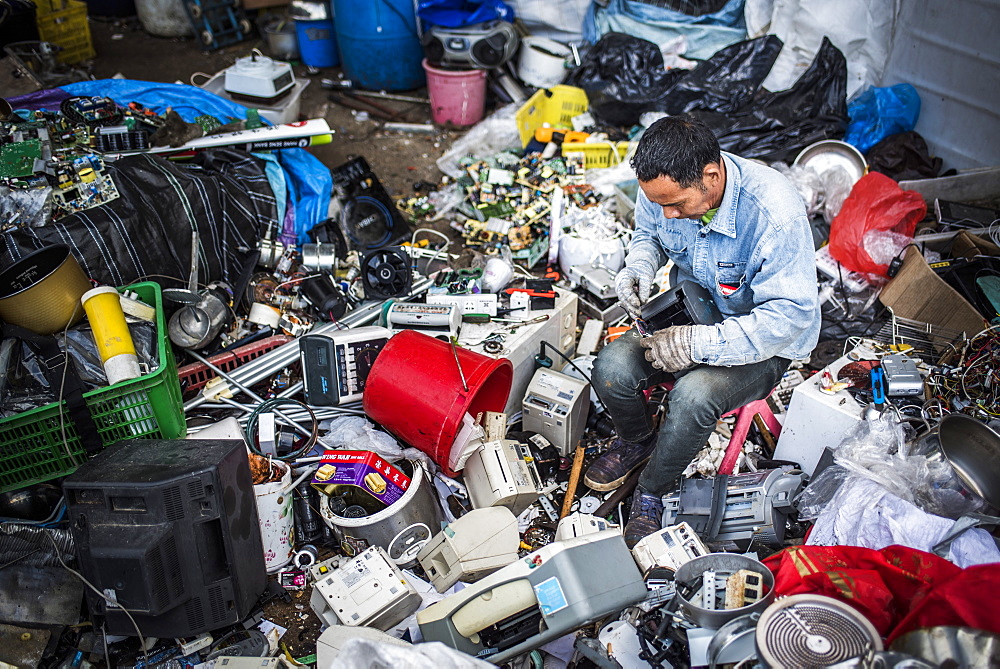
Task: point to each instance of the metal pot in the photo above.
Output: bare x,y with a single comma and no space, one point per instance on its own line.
971,448
722,563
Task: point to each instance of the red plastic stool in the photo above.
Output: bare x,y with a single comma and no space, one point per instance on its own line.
744,419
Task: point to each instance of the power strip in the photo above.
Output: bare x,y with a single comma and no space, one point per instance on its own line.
854,282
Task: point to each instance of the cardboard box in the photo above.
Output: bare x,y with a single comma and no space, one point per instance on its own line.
919,294
968,246
363,472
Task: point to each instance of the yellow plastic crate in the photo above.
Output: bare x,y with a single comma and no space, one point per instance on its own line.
598,154
556,106
64,23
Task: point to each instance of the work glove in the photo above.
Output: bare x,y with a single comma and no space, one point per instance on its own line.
633,284
670,349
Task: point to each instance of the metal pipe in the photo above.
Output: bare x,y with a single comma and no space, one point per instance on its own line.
291,423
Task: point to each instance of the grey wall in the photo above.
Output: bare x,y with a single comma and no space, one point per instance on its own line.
950,51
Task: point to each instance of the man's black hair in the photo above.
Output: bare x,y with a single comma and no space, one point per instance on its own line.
678,147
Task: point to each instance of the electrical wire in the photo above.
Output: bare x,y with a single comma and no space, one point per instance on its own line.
562,355
62,391
142,639
306,444
447,242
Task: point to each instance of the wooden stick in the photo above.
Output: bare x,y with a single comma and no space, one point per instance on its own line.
574,480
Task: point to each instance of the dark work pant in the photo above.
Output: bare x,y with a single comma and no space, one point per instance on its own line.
700,396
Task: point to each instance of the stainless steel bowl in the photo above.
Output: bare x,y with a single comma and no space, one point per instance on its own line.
831,153
972,448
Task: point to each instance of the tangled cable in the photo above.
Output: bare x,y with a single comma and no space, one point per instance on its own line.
300,447
973,386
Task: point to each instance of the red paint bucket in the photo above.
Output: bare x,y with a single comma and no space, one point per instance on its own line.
414,391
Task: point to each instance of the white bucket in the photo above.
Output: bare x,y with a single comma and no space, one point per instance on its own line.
542,62
277,527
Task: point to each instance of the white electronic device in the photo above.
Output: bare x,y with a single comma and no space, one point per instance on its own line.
818,419
828,265
436,320
227,428
578,524
670,547
520,345
238,662
368,590
544,595
555,406
502,473
332,640
335,364
322,569
477,544
480,303
259,77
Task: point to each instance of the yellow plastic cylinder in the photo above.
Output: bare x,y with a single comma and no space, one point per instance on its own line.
114,341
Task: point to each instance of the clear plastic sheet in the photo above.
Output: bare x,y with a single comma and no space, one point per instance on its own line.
884,245
370,654
878,449
23,386
359,434
496,133
824,194
25,208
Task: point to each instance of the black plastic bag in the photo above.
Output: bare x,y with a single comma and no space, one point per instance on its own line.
623,77
726,82
776,126
903,156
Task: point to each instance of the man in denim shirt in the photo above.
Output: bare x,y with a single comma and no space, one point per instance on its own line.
741,231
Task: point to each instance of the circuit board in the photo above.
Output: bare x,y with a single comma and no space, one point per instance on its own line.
82,184
18,159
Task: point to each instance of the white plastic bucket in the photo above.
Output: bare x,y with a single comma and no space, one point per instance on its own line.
277,527
542,62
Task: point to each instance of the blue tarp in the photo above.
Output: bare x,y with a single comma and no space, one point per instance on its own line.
706,33
308,180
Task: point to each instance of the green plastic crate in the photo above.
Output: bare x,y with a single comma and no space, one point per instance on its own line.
150,407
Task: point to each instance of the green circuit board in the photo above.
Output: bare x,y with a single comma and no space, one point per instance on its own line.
18,159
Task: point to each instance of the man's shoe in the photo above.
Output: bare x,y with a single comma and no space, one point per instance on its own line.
611,469
644,518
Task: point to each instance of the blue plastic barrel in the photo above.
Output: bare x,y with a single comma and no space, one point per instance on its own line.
317,42
379,47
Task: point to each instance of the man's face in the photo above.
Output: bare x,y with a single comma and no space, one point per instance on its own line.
692,202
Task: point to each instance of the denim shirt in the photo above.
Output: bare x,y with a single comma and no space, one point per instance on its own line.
755,257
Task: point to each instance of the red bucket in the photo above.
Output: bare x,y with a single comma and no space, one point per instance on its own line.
414,391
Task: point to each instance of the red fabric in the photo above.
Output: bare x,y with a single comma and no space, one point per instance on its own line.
882,585
876,203
967,600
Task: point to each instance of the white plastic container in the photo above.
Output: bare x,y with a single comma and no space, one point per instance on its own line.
542,62
285,110
274,509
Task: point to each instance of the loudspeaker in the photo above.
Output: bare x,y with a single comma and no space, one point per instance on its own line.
369,218
480,45
168,530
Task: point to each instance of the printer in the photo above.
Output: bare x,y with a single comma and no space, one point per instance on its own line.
542,596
